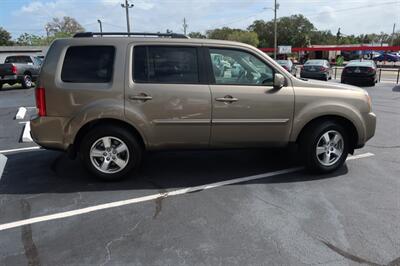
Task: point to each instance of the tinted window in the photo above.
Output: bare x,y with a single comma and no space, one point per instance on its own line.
88,64
18,59
239,68
162,64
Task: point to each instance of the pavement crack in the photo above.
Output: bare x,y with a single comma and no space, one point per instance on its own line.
348,255
31,252
108,245
384,147
158,201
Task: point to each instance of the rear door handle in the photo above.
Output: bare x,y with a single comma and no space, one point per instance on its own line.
140,97
227,99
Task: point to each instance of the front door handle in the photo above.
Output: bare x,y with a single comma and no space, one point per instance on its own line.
140,97
227,99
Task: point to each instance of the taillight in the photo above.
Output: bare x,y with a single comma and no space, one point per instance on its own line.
370,70
14,69
40,101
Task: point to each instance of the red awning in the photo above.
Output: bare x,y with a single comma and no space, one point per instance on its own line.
339,48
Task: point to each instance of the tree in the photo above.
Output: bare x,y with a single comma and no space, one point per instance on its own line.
30,40
249,37
295,30
5,37
66,25
197,35
220,34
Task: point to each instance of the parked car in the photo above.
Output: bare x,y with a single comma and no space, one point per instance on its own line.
316,69
360,72
22,69
110,99
386,57
288,65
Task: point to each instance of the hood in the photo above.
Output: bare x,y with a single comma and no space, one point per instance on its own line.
325,85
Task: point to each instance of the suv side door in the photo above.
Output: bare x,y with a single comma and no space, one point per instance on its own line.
247,110
168,91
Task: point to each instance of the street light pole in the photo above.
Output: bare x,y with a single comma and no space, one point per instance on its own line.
127,6
275,30
101,27
276,7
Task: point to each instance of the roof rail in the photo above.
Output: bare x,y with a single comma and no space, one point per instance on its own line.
92,34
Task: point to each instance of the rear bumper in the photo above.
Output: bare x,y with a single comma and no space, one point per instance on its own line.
8,78
48,132
311,75
358,79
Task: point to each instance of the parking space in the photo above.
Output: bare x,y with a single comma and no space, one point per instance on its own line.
236,207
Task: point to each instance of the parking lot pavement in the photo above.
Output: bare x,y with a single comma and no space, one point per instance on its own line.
193,208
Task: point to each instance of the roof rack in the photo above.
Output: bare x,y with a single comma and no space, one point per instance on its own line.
92,34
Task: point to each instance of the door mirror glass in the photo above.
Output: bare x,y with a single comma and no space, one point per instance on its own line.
279,81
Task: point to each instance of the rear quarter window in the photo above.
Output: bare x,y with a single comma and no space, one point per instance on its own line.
88,64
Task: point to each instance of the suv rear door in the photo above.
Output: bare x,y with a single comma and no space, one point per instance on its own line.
168,89
247,110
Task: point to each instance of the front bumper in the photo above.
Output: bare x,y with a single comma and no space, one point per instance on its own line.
370,125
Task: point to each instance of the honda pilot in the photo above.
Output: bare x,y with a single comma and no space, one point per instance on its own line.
108,99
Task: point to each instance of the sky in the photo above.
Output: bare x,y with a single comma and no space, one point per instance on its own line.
352,16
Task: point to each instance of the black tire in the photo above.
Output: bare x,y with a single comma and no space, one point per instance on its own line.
1,86
309,141
26,82
134,148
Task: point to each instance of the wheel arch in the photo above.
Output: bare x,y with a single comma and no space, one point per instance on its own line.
345,122
72,150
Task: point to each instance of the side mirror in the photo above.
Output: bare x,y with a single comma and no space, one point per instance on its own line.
279,81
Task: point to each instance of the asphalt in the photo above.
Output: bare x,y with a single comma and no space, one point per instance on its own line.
345,218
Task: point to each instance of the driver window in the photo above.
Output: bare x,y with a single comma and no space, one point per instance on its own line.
234,67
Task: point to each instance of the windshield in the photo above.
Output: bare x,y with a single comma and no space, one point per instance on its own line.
314,62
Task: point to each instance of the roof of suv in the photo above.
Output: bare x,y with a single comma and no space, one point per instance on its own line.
164,40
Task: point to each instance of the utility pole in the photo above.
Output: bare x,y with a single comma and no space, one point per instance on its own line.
394,30
101,27
276,6
127,6
185,26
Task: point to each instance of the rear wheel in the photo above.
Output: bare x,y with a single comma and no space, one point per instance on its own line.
325,146
26,82
110,153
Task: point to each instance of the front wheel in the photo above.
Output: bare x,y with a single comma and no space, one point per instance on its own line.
110,153
325,146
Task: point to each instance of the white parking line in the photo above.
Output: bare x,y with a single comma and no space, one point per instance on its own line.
21,113
20,149
3,161
154,196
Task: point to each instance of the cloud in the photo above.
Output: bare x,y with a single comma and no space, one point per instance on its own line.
159,15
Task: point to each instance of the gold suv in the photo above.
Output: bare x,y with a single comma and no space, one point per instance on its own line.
110,98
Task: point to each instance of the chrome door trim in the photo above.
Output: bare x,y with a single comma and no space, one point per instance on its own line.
249,121
181,121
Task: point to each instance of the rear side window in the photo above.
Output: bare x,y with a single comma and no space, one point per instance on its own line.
88,64
164,64
18,60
